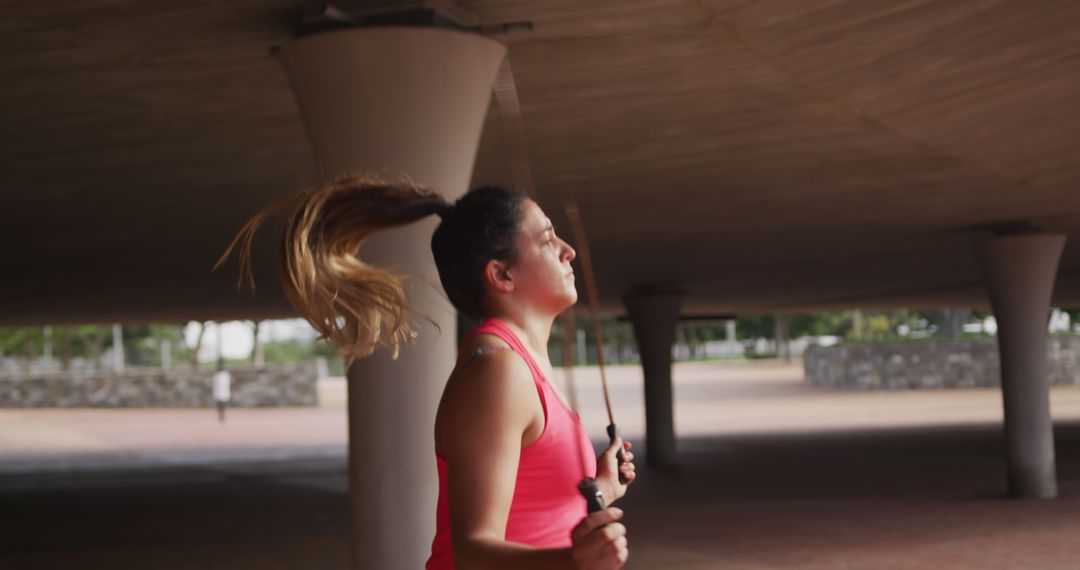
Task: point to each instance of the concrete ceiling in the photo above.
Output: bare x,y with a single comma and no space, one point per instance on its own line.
760,155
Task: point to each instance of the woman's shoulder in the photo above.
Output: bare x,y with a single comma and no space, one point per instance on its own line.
484,341
488,364
490,369
493,390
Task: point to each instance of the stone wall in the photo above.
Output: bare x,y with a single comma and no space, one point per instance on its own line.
277,385
929,364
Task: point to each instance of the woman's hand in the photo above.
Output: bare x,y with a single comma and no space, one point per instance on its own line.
608,468
599,543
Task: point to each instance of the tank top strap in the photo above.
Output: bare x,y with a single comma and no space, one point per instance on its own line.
497,327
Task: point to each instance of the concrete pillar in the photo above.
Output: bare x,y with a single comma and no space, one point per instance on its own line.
219,348
166,353
259,359
654,317
729,334
118,347
397,101
1019,272
47,350
857,324
781,333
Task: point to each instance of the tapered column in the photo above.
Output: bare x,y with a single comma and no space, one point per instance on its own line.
118,347
654,317
397,101
782,334
1019,271
166,353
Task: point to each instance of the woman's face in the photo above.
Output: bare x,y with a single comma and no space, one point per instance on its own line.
542,273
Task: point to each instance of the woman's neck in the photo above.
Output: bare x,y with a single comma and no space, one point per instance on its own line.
534,330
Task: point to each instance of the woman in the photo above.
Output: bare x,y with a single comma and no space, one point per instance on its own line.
507,445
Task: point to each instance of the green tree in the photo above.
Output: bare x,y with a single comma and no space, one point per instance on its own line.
837,323
26,342
750,327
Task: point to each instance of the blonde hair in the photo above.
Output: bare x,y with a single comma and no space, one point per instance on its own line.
352,304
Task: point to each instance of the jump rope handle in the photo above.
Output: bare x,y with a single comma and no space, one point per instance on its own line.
613,432
594,500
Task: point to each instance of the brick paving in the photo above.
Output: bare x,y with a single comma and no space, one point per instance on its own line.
773,475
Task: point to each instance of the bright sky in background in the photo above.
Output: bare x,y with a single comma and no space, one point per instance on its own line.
237,338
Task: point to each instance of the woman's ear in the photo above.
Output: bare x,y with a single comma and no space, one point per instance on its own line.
497,275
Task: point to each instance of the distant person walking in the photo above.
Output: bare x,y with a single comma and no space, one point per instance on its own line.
222,389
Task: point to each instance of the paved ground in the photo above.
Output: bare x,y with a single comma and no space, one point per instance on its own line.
774,475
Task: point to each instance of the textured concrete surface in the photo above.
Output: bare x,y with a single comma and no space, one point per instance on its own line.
870,489
757,154
180,387
930,364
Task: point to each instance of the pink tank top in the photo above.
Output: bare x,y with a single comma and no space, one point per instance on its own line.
546,504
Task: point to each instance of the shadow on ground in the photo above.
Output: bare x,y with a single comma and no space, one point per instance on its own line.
896,499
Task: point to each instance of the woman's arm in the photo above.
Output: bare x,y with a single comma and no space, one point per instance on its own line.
488,409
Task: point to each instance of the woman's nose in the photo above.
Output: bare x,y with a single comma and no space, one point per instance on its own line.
569,252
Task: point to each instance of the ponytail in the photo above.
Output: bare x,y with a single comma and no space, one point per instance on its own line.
352,304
